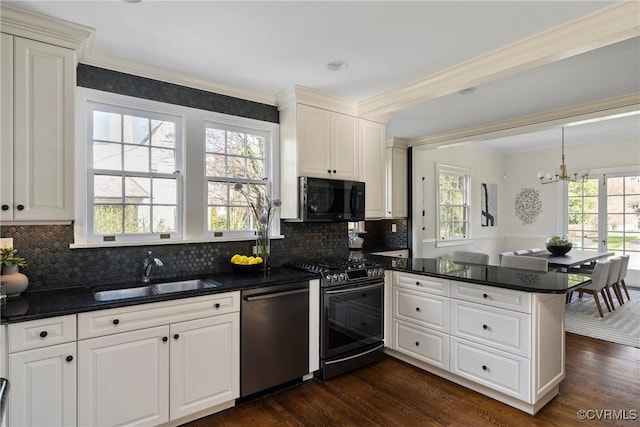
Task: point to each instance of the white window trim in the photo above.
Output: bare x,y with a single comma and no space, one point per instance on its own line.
460,171
192,164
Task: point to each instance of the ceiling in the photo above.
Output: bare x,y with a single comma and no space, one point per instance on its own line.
267,46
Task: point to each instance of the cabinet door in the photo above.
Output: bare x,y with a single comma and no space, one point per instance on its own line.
6,128
396,185
344,147
124,379
205,363
43,386
372,163
314,146
44,87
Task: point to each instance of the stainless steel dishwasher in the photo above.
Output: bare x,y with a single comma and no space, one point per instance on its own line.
274,346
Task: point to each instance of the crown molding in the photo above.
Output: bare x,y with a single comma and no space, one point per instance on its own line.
303,95
613,24
46,29
532,122
101,60
396,142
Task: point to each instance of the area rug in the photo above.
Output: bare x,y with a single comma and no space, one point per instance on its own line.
621,326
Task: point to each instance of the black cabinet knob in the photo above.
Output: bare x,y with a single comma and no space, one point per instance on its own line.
69,358
165,339
5,207
20,207
329,170
417,308
484,326
176,336
485,296
484,367
43,334
418,284
417,343
217,305
116,321
334,171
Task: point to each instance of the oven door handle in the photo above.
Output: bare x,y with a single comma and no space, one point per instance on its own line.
364,288
268,295
344,359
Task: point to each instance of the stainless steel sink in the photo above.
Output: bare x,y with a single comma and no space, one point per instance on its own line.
184,285
156,289
116,294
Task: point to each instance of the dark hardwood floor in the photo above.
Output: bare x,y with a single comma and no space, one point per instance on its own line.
599,376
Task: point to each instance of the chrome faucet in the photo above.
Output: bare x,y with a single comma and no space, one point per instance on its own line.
147,267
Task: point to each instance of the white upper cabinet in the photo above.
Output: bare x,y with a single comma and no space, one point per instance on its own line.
327,144
396,184
372,167
38,86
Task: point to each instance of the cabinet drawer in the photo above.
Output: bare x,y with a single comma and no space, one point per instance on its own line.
495,297
111,321
423,344
424,309
504,372
502,329
433,285
42,333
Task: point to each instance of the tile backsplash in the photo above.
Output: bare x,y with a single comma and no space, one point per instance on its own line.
379,234
51,264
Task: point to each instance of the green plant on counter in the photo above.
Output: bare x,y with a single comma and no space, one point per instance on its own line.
8,257
558,241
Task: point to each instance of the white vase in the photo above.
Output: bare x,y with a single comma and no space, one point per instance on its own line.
14,282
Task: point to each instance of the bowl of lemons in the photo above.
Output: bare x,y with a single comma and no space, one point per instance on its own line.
246,263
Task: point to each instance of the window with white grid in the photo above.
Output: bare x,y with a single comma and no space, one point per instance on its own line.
453,203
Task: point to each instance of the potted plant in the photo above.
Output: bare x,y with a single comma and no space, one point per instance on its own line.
14,281
559,244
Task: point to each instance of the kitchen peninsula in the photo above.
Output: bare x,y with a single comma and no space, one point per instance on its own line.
495,330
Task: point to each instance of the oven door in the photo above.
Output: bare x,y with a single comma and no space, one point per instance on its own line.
352,317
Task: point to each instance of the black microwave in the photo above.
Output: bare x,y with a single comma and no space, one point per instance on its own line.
331,200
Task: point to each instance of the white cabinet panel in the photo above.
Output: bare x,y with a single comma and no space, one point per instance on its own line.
41,333
313,136
43,132
344,147
124,379
396,173
205,361
422,343
422,308
372,162
433,285
503,329
492,296
43,386
500,371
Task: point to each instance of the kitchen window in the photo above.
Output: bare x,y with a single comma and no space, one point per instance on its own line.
453,204
160,173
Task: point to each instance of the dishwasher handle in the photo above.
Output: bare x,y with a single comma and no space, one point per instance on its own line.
268,295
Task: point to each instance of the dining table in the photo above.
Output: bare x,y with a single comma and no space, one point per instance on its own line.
573,258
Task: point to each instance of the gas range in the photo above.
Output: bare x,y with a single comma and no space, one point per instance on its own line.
342,272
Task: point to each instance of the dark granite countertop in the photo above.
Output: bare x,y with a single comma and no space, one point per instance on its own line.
42,304
490,275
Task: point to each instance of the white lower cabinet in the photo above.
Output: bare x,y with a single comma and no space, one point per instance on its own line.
42,372
43,386
506,344
124,379
163,373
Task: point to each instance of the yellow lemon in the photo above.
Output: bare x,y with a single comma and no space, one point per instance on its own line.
258,260
234,259
243,259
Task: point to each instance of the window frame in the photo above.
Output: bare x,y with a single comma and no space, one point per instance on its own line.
465,173
191,162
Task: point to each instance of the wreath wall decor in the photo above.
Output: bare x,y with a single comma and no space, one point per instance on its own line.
528,205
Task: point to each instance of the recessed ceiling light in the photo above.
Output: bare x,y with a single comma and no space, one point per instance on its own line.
467,91
337,65
132,1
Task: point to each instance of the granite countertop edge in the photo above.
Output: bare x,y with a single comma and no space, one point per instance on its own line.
63,301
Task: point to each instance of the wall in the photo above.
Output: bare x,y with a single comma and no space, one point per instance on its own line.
521,171
486,167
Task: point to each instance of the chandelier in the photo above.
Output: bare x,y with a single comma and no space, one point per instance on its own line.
562,174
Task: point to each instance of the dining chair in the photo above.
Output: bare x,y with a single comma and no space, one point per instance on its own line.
525,262
598,284
500,255
612,280
470,257
623,274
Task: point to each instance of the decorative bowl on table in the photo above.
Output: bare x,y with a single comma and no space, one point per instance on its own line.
558,244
